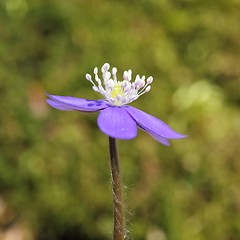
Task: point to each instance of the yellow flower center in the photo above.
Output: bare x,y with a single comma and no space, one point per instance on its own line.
117,90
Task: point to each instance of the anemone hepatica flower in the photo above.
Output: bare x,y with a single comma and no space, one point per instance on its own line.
116,118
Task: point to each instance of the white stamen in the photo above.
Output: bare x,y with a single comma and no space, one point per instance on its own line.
95,71
105,67
114,73
95,88
149,80
125,75
130,74
119,93
88,77
118,97
148,88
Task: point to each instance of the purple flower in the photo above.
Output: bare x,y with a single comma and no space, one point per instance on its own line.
116,118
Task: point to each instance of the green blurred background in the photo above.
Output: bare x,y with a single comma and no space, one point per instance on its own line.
54,166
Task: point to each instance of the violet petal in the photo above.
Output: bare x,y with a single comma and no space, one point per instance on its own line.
78,104
159,138
117,123
58,105
152,125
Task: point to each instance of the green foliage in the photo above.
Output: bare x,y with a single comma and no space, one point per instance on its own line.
54,169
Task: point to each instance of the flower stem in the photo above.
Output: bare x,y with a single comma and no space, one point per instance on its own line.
118,233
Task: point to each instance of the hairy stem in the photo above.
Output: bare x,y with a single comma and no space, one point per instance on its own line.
118,232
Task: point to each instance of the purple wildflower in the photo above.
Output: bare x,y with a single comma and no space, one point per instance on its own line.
116,118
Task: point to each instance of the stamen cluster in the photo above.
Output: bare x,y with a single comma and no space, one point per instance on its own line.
116,92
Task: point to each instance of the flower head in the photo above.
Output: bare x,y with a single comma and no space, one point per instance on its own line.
116,118
119,93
